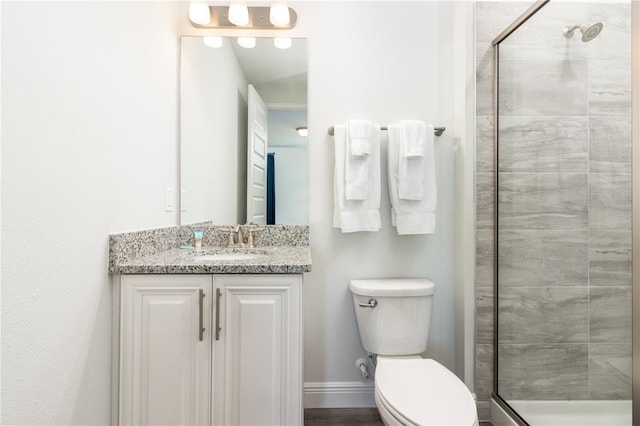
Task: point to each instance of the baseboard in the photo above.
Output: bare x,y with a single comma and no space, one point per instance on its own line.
338,395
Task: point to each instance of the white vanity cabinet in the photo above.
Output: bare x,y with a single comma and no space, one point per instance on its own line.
165,357
258,359
199,349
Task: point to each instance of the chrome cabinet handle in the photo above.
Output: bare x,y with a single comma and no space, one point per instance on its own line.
201,328
371,303
218,296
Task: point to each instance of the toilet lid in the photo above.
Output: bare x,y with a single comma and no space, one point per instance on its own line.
424,392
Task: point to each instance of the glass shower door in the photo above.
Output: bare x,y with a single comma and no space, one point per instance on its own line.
564,216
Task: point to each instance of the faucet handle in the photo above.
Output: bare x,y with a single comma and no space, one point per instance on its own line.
230,231
251,230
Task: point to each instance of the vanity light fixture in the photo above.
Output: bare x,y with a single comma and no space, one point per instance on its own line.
214,42
279,13
239,13
199,12
238,16
302,131
247,42
282,42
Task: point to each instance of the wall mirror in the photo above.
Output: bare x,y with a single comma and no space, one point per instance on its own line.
241,156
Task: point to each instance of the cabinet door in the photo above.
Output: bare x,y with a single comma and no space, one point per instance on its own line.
259,351
165,368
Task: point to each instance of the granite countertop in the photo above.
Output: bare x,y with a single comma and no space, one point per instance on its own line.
280,249
264,260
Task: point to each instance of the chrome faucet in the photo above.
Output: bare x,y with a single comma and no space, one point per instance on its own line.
236,236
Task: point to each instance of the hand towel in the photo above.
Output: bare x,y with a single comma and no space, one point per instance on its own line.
356,215
414,141
360,137
411,216
357,156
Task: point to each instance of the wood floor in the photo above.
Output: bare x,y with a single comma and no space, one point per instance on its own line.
346,417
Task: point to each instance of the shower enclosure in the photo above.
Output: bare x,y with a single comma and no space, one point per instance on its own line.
563,219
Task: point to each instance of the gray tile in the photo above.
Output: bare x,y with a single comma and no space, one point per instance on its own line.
484,144
484,86
548,372
484,371
610,87
526,86
484,315
484,258
610,144
610,201
610,371
540,37
484,412
615,39
543,315
610,258
543,144
543,258
485,194
494,16
610,315
543,201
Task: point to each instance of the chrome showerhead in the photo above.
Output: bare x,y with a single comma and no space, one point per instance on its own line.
589,32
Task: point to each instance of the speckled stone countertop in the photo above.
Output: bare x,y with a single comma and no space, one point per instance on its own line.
280,249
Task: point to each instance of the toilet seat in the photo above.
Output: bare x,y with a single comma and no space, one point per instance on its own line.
416,391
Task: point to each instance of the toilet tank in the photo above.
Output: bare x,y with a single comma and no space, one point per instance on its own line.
393,315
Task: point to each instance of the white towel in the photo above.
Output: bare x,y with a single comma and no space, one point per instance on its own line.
357,159
411,216
360,137
356,215
414,141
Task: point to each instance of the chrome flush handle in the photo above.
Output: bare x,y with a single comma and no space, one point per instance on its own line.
371,303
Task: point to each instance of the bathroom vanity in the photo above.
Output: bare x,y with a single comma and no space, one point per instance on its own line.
212,336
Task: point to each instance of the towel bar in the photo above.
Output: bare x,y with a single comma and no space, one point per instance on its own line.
438,131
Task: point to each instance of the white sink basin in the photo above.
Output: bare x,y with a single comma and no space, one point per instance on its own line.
225,256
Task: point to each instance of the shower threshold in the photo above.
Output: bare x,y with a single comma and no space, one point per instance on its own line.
574,413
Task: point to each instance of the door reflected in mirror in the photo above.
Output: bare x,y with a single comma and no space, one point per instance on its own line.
241,157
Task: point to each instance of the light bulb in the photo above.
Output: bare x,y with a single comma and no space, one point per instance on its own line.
282,42
199,12
279,13
213,41
247,42
302,131
238,13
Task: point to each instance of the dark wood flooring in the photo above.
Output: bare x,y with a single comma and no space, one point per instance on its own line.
346,417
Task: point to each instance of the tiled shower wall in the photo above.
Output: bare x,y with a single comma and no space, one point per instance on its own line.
565,203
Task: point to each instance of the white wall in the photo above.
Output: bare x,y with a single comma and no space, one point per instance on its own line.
90,142
89,131
383,61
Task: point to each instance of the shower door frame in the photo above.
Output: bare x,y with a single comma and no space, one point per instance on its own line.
635,188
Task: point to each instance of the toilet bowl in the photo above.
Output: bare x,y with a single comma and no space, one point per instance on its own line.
393,320
421,392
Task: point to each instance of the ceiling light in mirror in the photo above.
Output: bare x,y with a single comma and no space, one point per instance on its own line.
247,42
279,13
238,13
302,131
282,42
214,42
199,12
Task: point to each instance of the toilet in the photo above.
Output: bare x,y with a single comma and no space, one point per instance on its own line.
393,318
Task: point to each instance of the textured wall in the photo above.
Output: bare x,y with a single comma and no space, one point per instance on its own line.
89,107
